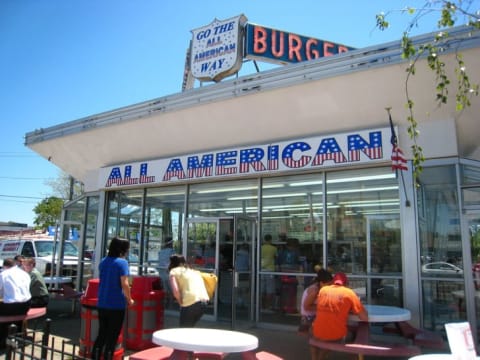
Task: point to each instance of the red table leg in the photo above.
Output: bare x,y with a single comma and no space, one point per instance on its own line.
180,355
248,355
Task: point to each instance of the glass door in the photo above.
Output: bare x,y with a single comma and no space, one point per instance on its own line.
201,249
224,246
243,299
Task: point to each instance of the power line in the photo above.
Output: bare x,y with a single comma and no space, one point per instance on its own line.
23,178
16,155
22,197
19,201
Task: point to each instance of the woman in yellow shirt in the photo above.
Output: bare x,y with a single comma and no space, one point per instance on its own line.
188,289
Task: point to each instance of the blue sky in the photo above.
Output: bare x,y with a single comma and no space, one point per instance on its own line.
62,60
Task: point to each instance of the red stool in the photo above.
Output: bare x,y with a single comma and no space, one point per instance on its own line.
155,353
264,355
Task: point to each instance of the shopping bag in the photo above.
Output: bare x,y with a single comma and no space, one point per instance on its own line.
460,340
210,281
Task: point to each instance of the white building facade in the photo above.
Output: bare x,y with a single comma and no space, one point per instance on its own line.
302,153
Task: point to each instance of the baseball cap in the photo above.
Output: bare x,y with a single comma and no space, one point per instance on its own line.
340,279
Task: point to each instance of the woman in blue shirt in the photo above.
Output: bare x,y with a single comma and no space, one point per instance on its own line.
113,298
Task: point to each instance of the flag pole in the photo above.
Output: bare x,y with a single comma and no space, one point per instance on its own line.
394,141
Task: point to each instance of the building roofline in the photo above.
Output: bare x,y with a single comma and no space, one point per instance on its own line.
460,38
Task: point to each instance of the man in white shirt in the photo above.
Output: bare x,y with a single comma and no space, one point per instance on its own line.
15,294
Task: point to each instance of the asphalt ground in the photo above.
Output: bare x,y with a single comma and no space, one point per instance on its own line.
65,330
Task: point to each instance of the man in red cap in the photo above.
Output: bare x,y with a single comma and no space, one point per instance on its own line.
334,303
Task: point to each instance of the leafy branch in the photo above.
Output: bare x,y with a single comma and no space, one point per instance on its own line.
448,11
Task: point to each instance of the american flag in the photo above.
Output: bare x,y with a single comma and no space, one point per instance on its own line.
398,159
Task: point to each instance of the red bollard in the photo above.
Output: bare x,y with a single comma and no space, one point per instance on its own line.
89,323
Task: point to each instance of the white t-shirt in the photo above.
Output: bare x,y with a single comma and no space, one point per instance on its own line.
15,285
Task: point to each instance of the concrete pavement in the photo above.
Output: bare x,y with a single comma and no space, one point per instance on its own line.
285,343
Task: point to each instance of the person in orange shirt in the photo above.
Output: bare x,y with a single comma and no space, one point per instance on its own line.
334,303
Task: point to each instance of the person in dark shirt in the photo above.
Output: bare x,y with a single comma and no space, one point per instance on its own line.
38,288
113,298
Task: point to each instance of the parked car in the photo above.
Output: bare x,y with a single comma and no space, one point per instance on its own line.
43,251
133,267
441,268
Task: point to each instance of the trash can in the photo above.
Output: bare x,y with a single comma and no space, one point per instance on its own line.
146,315
89,323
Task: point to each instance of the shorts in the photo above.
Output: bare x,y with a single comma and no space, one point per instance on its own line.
268,284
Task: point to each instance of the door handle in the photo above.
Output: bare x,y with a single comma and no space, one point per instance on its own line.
235,279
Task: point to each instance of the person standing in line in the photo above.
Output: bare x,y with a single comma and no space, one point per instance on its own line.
334,303
163,262
38,288
15,295
268,255
188,289
113,298
19,260
309,299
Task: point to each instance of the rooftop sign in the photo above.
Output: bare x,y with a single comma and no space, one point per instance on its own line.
217,49
283,47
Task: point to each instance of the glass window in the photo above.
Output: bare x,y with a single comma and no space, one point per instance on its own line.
364,222
470,175
292,215
223,199
440,247
124,220
164,216
439,223
363,232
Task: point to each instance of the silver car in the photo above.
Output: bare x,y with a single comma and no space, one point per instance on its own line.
441,268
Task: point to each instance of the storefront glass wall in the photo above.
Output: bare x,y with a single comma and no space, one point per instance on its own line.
216,241
152,220
358,220
292,215
469,300
78,227
363,237
441,259
162,231
90,240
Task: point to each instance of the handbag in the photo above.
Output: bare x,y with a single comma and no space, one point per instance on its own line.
210,280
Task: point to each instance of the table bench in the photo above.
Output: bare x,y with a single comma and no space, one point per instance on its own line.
362,346
165,353
32,313
420,337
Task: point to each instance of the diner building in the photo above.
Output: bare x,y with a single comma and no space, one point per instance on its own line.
301,153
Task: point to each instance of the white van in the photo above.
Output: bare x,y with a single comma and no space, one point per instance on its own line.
41,250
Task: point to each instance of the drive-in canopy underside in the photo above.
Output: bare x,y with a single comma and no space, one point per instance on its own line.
331,95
